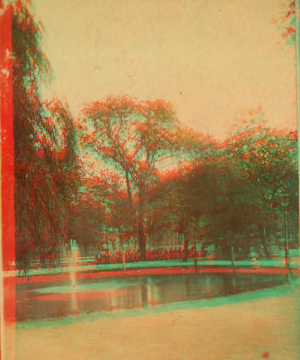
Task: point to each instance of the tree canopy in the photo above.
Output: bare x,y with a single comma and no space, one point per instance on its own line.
44,142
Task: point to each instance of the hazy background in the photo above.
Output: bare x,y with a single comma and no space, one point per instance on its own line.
213,59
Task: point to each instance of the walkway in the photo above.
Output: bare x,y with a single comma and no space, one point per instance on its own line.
163,264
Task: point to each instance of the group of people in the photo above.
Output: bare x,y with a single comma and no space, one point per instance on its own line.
132,255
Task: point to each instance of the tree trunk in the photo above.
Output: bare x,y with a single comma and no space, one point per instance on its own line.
137,219
195,253
200,250
141,231
123,256
186,247
129,190
232,259
141,238
233,278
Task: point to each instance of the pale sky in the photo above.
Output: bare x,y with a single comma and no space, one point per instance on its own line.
213,59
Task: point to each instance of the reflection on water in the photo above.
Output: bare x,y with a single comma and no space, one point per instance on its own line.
144,291
74,303
57,298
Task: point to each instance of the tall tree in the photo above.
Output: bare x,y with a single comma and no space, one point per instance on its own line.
167,208
44,140
132,137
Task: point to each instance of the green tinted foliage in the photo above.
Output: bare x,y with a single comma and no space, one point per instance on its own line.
44,144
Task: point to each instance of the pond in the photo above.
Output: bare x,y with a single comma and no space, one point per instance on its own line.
54,299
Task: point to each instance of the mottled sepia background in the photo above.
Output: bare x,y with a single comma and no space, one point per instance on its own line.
214,60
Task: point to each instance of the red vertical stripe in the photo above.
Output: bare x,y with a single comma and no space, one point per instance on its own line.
7,185
7,161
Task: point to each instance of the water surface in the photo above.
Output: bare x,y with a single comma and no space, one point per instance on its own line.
54,299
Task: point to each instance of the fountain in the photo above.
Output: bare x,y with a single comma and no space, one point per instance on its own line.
73,256
73,261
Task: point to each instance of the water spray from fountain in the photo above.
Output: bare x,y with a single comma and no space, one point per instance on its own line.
73,261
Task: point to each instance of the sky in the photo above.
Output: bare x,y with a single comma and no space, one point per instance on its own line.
214,60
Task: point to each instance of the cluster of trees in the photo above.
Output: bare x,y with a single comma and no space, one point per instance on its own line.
223,192
129,165
236,191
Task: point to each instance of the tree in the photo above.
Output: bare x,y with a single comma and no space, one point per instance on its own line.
166,208
85,221
44,146
132,137
288,22
266,157
171,204
184,198
238,210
